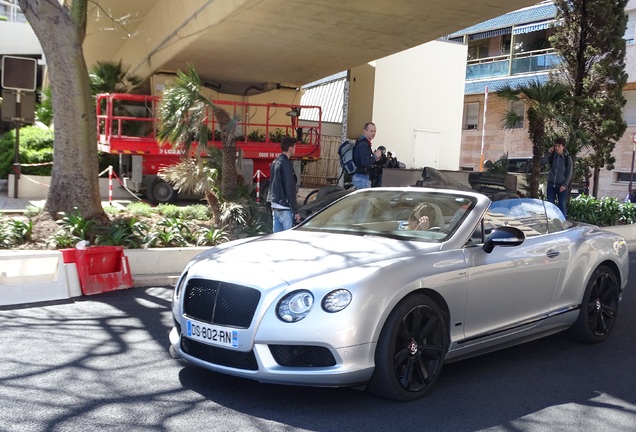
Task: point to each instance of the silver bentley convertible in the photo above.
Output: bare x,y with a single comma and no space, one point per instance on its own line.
384,286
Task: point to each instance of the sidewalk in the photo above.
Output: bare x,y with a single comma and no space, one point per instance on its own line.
19,205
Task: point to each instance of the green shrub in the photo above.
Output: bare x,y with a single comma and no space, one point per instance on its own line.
140,209
15,232
128,233
196,211
169,210
36,146
607,211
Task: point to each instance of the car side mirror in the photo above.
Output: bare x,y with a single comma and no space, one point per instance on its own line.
504,236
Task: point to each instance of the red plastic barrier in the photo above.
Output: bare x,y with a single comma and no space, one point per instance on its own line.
68,255
100,268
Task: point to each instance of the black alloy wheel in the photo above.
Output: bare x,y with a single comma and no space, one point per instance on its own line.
411,350
599,308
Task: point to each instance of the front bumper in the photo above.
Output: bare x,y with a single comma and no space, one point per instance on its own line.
353,365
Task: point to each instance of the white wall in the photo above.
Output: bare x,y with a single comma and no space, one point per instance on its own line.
418,101
18,39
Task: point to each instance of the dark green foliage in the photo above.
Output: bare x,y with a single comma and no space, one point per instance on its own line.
15,232
112,77
44,109
36,146
542,101
604,212
256,136
277,135
170,232
128,233
77,226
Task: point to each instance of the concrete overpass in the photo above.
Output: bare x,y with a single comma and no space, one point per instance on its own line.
258,45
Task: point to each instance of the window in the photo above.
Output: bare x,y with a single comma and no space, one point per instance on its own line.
631,27
623,177
629,110
471,115
519,108
477,51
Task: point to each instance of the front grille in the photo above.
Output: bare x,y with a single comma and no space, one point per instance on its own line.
219,356
220,303
302,356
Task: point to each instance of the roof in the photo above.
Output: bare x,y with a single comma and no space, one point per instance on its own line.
539,12
479,87
328,94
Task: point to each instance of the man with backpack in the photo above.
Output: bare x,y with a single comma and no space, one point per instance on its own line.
364,157
560,173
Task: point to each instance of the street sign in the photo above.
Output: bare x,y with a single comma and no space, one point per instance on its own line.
10,105
19,73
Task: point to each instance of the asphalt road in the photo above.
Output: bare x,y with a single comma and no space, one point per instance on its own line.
102,364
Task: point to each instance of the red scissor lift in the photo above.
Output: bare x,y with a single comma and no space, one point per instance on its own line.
127,126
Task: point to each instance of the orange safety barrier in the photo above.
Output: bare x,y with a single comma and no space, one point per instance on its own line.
100,268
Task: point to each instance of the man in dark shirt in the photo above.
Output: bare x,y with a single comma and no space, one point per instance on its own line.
282,188
364,157
560,173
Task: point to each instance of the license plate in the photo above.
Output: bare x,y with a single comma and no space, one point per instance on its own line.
212,335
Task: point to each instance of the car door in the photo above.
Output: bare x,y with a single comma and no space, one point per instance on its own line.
511,286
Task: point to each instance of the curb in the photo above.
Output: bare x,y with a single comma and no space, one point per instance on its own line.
155,280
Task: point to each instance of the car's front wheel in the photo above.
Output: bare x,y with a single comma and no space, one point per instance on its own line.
411,350
599,307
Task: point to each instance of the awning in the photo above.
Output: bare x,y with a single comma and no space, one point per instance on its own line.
490,33
533,27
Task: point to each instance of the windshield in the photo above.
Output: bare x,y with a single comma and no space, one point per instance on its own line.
532,216
413,214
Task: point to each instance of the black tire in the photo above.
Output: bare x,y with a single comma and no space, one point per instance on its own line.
599,307
411,350
160,192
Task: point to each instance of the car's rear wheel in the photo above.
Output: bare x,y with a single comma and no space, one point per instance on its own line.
411,350
599,307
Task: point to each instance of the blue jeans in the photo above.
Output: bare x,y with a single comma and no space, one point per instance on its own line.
360,181
553,193
283,219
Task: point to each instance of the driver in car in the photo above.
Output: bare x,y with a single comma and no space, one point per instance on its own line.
421,217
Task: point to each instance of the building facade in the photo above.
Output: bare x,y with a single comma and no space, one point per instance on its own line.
513,50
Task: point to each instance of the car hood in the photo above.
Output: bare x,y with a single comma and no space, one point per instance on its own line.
290,256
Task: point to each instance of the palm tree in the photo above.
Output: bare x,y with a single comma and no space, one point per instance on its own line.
105,77
196,176
184,115
542,101
112,77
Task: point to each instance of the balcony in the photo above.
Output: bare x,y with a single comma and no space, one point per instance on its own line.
514,64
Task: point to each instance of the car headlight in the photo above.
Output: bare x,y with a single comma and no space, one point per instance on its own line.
295,306
180,283
336,300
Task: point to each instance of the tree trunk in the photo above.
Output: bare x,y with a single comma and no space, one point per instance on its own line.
228,152
536,128
215,207
74,178
597,172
